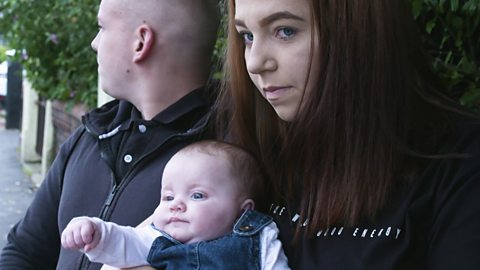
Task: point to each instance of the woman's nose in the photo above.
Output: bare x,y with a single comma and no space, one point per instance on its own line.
260,58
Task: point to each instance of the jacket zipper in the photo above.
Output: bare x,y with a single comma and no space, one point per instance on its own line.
109,200
127,177
84,262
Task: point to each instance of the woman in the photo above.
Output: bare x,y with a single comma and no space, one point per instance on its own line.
371,167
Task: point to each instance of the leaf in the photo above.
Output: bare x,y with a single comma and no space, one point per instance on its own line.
430,25
454,5
53,32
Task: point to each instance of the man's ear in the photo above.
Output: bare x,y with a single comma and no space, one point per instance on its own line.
248,204
143,42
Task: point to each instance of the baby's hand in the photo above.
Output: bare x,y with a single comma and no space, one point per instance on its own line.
81,233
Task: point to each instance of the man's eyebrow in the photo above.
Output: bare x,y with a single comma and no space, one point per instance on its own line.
273,17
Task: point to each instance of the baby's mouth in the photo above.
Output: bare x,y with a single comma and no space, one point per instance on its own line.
176,219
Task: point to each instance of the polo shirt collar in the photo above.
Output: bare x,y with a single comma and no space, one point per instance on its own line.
188,103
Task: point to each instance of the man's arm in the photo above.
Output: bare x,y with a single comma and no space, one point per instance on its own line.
34,242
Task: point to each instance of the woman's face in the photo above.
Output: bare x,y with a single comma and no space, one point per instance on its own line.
277,36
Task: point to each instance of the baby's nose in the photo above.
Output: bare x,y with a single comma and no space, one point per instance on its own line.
177,206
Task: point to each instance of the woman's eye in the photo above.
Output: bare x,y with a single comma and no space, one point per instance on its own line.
285,33
247,37
198,196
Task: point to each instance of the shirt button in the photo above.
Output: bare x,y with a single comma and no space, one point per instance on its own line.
142,128
127,158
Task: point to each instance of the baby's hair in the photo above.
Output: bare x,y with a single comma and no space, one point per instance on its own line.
244,168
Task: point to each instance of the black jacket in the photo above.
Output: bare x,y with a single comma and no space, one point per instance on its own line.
84,181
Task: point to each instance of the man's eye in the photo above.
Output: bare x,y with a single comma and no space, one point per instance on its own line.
198,196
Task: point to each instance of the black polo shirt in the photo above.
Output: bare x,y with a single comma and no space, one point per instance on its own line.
136,137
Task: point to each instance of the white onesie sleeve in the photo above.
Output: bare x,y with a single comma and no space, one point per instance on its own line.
122,246
272,254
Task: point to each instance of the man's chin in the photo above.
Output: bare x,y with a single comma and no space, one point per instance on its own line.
109,93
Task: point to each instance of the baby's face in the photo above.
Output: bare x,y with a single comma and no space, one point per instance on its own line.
199,199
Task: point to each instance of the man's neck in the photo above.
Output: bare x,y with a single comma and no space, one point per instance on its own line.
154,95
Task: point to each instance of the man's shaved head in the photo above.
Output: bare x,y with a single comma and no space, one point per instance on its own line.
162,48
174,22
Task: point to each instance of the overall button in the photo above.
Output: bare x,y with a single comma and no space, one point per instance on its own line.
142,128
127,158
245,228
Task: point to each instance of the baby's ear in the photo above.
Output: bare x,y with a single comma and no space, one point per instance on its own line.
248,204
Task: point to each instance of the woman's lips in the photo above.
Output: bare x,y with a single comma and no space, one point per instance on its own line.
274,92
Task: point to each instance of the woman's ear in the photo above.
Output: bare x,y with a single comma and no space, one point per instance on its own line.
143,42
248,204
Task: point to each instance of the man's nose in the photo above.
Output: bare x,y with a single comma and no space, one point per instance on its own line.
94,42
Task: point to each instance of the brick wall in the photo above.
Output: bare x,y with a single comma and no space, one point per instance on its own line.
65,121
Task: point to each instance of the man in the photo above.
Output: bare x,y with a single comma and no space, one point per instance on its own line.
153,56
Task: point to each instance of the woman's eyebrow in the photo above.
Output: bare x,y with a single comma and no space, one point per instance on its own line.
273,17
278,16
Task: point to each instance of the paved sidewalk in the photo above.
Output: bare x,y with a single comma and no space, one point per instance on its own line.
16,189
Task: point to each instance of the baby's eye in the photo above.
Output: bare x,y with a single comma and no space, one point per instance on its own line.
168,198
198,196
285,33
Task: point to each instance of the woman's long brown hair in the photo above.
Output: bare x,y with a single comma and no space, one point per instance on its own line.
358,133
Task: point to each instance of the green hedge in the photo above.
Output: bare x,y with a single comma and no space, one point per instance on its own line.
53,40
451,33
3,55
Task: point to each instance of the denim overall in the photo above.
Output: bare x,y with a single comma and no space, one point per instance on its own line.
239,250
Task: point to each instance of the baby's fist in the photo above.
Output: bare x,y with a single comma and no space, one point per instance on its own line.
81,233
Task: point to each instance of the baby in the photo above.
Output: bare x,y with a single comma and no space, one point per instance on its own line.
205,219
